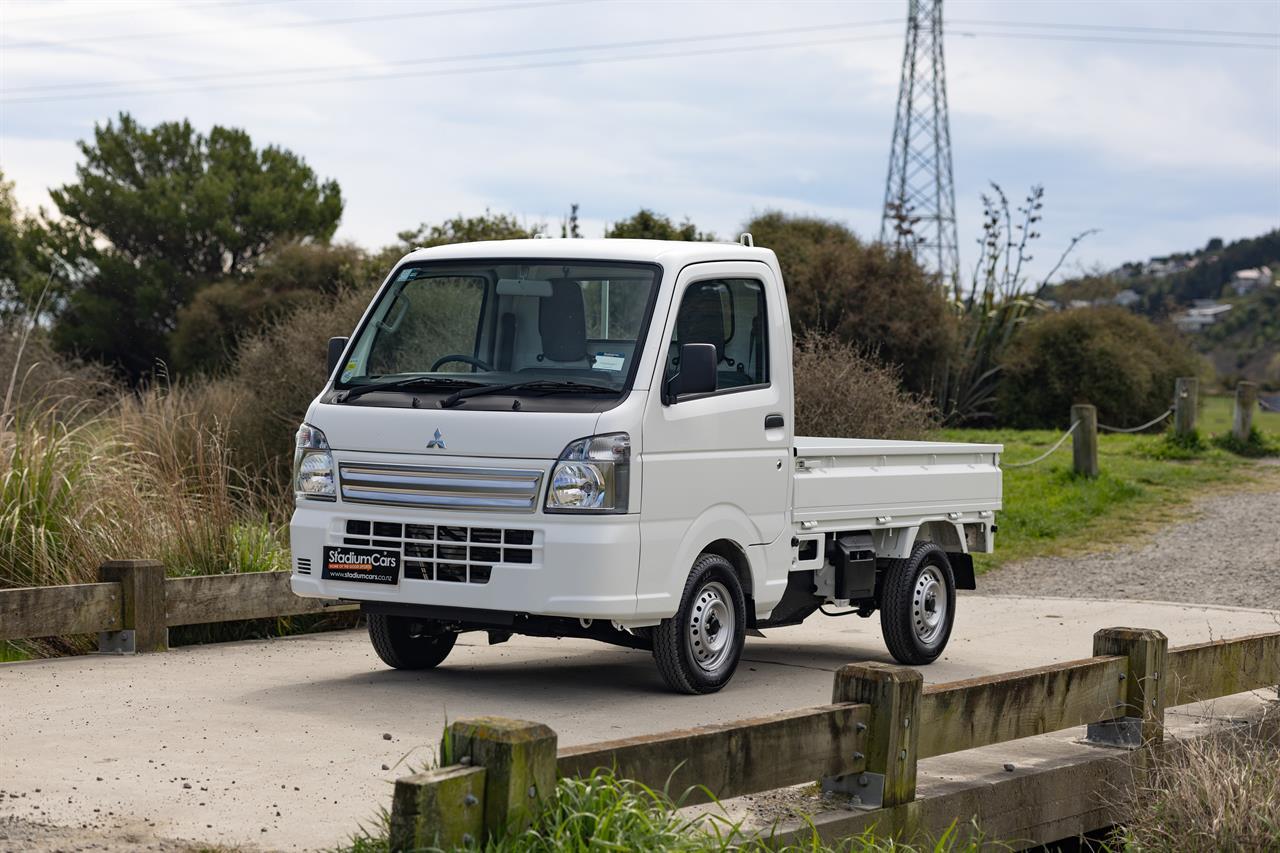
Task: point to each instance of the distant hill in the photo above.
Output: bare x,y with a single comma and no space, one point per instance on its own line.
1164,285
1242,342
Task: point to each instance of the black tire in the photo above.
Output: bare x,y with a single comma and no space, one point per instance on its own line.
909,599
405,643
687,663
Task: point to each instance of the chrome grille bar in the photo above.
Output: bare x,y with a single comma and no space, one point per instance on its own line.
506,489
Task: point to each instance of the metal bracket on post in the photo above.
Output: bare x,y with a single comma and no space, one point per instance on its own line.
865,789
1125,732
117,642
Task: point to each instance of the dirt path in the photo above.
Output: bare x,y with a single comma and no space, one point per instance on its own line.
1227,552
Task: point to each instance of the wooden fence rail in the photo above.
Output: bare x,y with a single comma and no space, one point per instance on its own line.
135,604
866,744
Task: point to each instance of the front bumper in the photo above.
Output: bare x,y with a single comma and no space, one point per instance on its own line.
579,567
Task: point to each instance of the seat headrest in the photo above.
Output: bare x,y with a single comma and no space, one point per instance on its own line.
562,322
701,318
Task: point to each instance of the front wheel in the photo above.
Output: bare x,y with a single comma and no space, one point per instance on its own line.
405,643
698,649
918,605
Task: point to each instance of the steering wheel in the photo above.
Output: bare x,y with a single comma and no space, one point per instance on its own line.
445,359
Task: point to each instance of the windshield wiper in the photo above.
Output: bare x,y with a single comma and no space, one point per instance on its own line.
529,385
404,384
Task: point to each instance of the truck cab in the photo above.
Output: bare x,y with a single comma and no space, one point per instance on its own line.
595,438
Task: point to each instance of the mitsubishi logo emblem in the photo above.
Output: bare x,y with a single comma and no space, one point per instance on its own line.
436,441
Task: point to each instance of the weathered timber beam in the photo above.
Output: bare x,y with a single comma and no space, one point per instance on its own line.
962,715
53,611
226,598
736,758
1221,668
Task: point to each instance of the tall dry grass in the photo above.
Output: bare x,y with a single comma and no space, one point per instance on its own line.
1211,793
148,476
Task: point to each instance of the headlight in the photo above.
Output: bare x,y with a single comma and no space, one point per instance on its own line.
313,465
593,474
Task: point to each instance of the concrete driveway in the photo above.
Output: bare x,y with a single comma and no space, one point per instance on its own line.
283,743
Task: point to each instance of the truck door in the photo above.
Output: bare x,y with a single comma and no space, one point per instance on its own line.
716,466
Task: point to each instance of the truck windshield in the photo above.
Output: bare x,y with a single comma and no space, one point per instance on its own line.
529,327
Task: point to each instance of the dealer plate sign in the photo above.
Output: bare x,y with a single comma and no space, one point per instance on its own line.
363,565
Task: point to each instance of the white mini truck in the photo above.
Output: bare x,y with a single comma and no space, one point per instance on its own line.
594,438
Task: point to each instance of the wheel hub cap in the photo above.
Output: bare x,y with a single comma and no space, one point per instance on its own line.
711,627
929,605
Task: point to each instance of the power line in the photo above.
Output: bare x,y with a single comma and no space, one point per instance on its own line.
1119,40
310,22
451,72
465,57
190,4
1114,28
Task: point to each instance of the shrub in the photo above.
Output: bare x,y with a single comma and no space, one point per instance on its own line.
222,313
865,294
1120,362
843,391
277,373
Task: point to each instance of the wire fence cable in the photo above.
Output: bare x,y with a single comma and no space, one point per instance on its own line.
1147,425
1047,453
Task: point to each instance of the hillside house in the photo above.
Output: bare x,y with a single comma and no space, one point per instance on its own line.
1247,281
1203,314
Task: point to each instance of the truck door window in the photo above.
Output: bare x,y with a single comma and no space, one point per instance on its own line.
729,314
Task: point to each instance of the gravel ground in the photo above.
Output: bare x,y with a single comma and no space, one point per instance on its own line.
22,836
1228,552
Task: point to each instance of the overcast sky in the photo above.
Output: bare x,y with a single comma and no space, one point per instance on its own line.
1160,146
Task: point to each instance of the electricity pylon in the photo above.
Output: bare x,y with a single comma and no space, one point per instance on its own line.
919,195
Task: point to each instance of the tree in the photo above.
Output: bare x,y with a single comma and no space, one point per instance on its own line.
647,225
210,326
20,278
865,294
157,214
459,229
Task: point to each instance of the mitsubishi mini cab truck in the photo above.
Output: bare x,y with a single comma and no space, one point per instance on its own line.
594,438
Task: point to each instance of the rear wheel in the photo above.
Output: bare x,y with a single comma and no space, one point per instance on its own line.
698,649
918,605
405,643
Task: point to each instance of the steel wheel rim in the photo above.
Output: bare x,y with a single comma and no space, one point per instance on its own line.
929,605
711,627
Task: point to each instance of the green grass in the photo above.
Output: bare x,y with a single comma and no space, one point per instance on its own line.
1216,413
1146,480
602,813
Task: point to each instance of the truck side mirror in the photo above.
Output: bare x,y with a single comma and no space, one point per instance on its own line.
337,346
697,372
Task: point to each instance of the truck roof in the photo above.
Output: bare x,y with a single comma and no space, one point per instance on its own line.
678,252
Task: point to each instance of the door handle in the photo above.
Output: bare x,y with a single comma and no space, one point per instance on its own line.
774,422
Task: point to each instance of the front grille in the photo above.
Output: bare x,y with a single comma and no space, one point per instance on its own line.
439,487
445,552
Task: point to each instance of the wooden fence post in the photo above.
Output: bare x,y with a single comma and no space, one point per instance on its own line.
1084,441
519,759
1142,717
893,735
1184,406
438,809
1246,402
142,607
